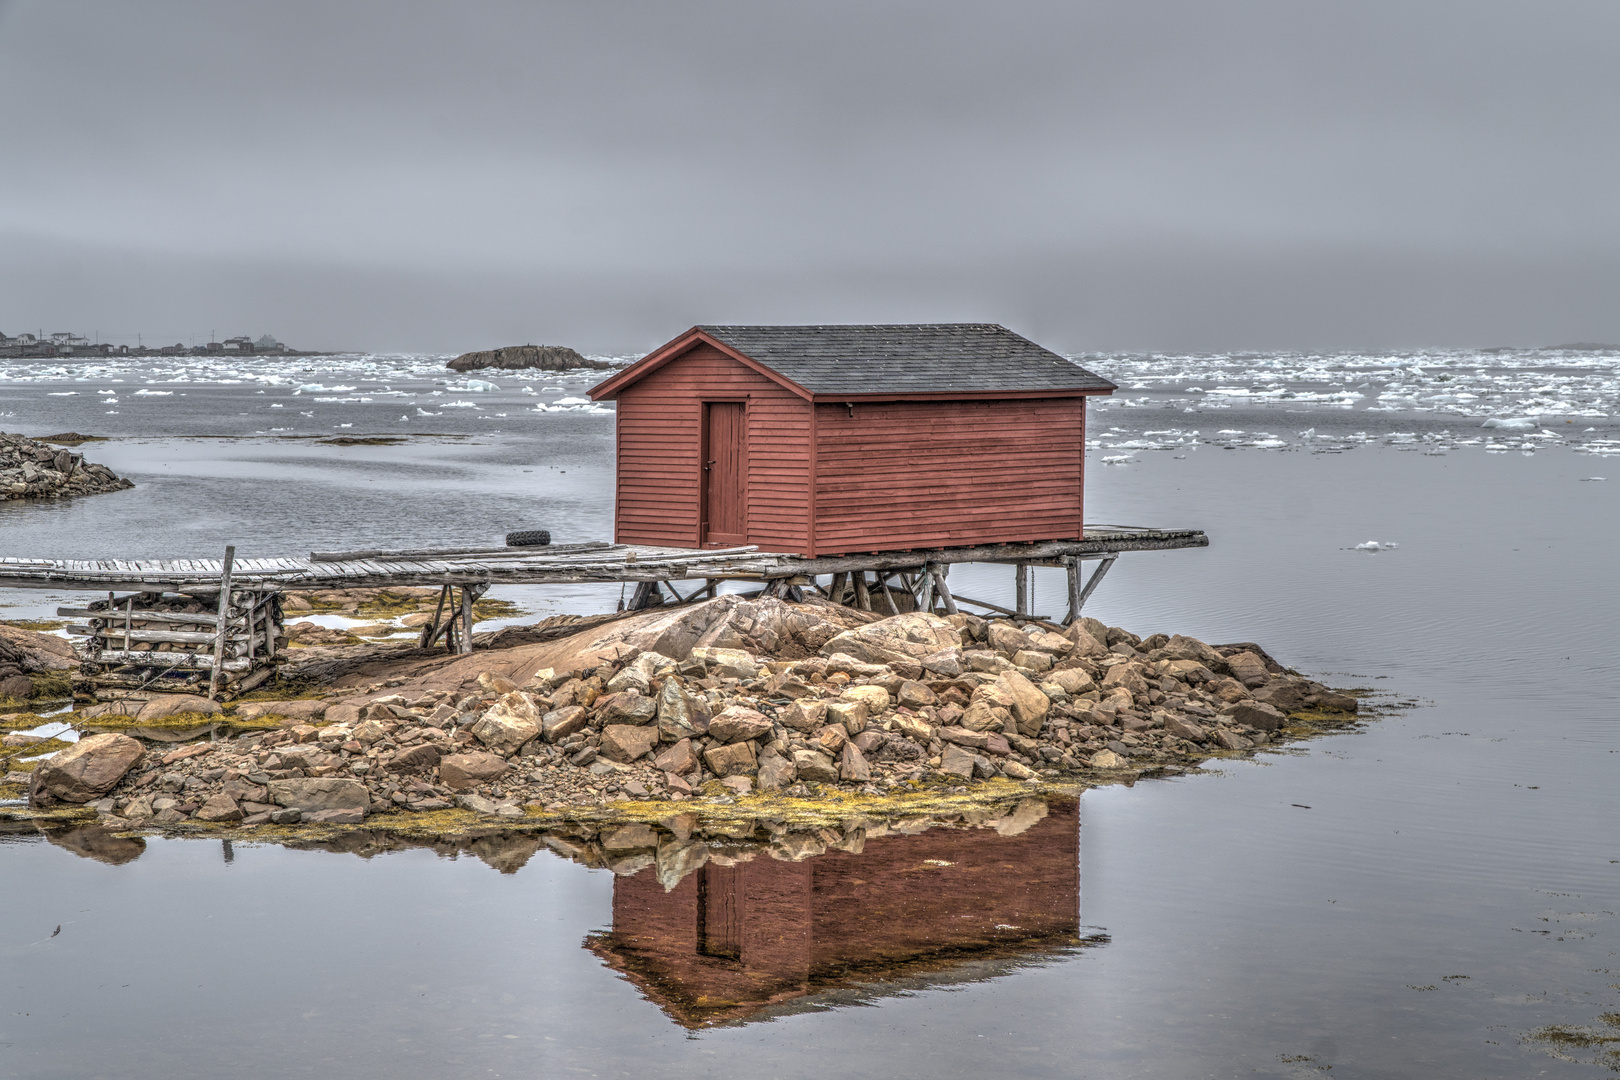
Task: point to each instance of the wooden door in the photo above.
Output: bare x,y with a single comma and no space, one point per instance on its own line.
725,474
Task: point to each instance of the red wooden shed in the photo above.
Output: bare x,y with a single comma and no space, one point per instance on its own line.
828,440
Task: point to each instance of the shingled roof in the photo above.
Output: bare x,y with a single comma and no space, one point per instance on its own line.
906,358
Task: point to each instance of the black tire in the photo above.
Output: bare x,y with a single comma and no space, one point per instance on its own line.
529,538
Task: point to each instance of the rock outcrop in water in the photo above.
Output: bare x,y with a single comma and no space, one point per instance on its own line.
30,469
34,665
876,706
520,357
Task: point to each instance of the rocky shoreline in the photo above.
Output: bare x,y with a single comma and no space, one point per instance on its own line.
755,699
31,469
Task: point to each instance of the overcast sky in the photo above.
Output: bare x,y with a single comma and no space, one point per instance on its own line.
1144,174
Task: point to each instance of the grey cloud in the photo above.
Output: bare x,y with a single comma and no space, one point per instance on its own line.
1189,174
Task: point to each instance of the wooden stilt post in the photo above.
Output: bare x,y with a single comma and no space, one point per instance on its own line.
840,582
1071,570
888,594
224,622
937,572
925,591
863,599
469,595
430,632
1096,579
1021,588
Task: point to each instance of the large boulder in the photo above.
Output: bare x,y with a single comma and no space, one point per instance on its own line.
775,772
625,743
31,651
1256,715
681,715
678,759
561,723
732,759
220,807
1020,697
301,709
1288,695
626,707
1187,648
509,723
815,767
1248,669
462,771
899,638
86,770
166,705
1086,645
738,723
312,794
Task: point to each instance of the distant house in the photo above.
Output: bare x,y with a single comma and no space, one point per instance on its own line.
825,440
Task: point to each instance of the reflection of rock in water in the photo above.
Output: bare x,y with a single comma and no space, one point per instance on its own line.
94,842
731,943
506,852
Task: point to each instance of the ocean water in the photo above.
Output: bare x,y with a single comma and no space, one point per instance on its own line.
1421,896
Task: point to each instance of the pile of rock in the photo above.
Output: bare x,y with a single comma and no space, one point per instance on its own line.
885,705
34,470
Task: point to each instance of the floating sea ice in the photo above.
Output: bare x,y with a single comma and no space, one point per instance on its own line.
1589,479
343,425
154,393
275,406
1308,433
423,412
528,390
458,405
1117,459
1517,423
64,393
1374,545
312,387
310,414
572,401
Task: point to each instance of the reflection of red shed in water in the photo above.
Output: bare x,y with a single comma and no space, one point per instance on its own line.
729,941
826,440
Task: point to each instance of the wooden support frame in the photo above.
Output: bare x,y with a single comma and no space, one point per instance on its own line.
1078,593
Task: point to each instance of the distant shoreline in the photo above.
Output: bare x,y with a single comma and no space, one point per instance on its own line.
139,353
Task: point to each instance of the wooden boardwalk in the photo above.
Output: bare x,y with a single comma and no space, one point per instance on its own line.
564,564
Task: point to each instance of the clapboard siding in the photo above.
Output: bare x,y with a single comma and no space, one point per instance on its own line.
913,474
660,474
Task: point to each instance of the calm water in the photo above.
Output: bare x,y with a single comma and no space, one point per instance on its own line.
1407,900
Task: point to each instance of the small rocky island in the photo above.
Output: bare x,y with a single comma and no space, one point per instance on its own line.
34,469
527,357
732,699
